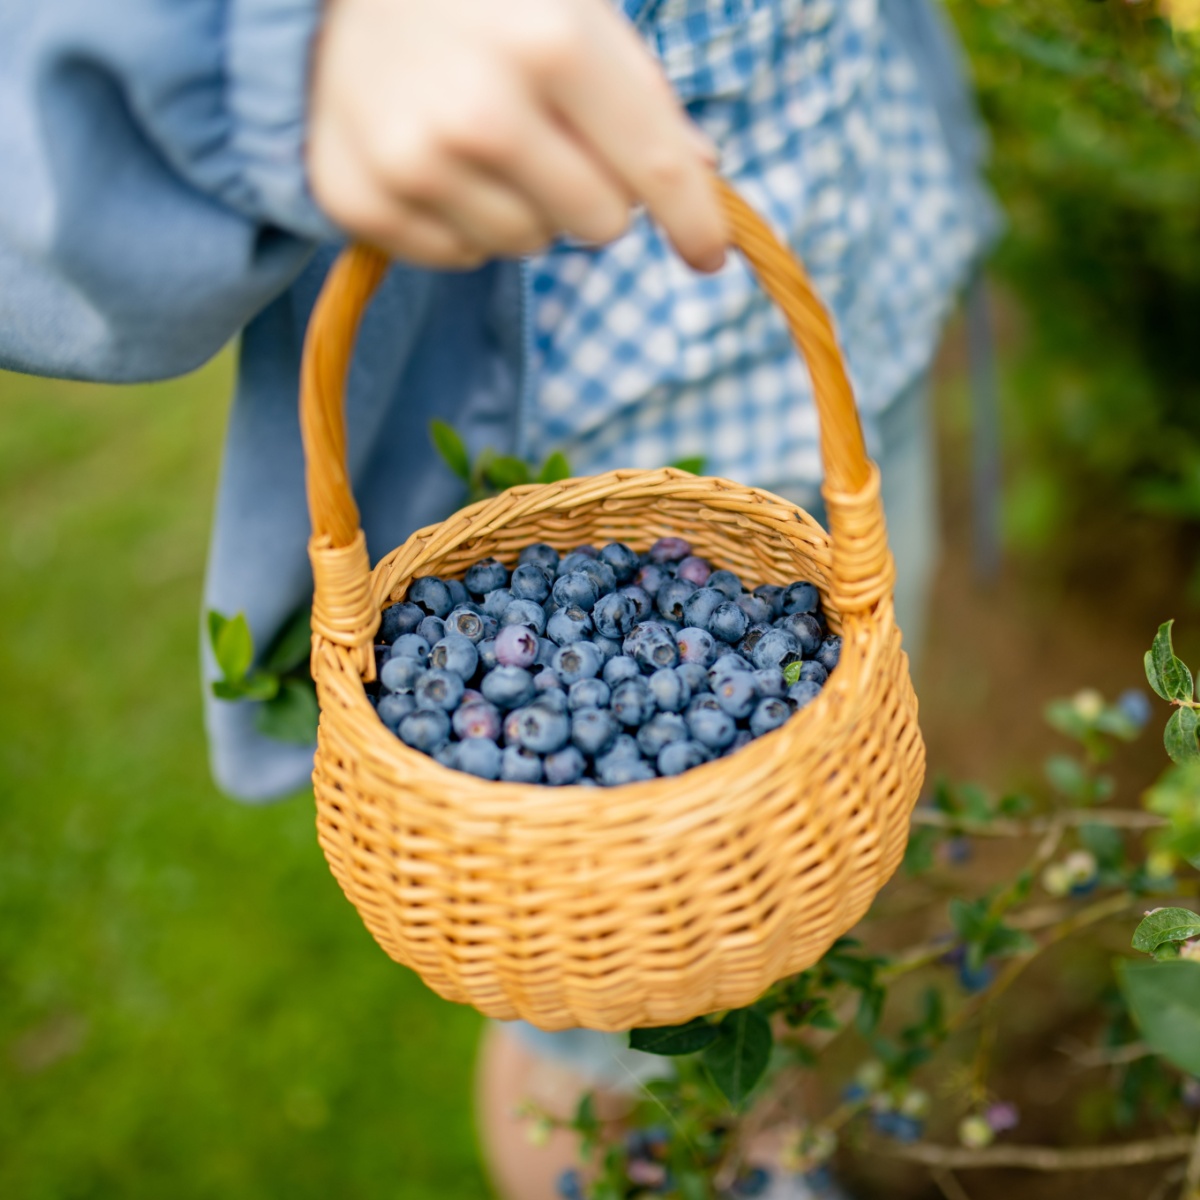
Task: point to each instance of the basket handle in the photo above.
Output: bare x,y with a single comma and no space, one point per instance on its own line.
341,609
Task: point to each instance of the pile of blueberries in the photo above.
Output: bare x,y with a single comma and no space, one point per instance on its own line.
598,666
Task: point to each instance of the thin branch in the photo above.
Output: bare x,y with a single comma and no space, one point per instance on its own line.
948,1184
1087,1057
1117,818
1037,1158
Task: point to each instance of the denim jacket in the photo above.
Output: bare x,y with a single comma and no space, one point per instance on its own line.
153,205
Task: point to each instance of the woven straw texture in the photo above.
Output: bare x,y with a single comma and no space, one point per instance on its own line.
652,903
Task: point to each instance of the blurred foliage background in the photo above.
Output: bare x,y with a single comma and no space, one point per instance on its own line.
188,1007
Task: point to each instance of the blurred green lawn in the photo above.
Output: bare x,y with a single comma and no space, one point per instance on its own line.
188,1006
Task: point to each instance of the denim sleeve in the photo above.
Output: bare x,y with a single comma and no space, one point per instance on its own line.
152,187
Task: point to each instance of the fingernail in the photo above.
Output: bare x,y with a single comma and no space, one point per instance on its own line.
705,146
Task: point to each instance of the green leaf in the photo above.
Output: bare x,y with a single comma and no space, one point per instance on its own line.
1066,775
260,685
1167,675
224,690
693,466
216,622
918,855
292,644
506,471
292,715
1165,1001
675,1039
791,673
234,648
450,446
1179,737
1166,925
555,468
1105,842
738,1058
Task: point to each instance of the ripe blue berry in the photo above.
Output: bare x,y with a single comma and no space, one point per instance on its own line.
569,625
486,576
546,652
694,675
757,610
769,714
588,693
776,648
621,559
712,728
400,674
593,730
696,646
670,549
736,694
625,747
770,682
725,665
607,647
829,652
547,680
400,618
751,639
652,646
694,570
540,555
518,765
577,660
564,767
431,596
477,719
625,771
727,583
487,654
728,623
458,592
438,689
805,629
530,582
620,668
411,645
553,699
539,729
394,707
803,693
661,730
650,578
670,690
643,602
772,593
576,588
432,629
467,622
516,646
479,756
743,737
525,612
672,596
602,575
508,687
575,561
614,615
632,702
495,602
700,606
677,757
455,653
813,672
447,755
801,597
425,729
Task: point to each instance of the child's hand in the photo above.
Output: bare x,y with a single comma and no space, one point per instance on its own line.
447,132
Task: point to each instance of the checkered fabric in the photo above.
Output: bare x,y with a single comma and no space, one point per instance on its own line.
637,361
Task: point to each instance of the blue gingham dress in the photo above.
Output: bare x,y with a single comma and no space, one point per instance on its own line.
823,125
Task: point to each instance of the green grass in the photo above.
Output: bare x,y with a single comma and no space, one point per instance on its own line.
188,1005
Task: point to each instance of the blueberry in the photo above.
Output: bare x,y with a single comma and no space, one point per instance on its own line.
694,675
652,646
525,612
400,618
621,560
701,605
487,654
625,747
650,578
411,645
696,646
486,576
614,615
438,689
829,652
588,693
530,582
447,755
661,730
477,719
743,737
772,593
490,625
547,680
467,622
508,687
626,771
432,629
670,549
805,629
455,653
643,602
757,610
770,682
672,596
546,652
694,570
727,583
394,707
425,729
539,729
587,550
813,672
801,597
577,660
495,602
728,623
576,588
564,767
400,674
803,693
713,729
1134,705
516,646
670,690
458,593
607,646
478,756
431,596
540,555
593,730
776,648
471,696
751,1184
518,765
569,625
736,694
620,668
382,652
670,624
727,663
769,714
601,574
553,700
632,702
751,639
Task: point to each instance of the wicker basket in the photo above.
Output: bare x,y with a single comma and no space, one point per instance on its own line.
652,903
